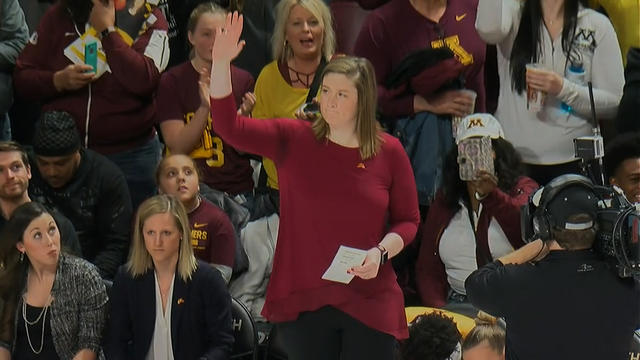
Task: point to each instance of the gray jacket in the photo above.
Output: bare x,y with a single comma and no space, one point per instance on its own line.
13,37
78,309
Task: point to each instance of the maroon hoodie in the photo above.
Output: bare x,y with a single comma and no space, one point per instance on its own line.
120,103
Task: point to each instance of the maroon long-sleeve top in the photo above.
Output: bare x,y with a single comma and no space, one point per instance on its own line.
329,197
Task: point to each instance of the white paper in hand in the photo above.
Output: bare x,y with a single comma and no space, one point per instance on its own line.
346,258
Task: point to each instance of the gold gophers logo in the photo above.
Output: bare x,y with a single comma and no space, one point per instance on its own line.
475,122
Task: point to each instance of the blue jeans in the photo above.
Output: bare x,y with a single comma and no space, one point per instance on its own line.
139,165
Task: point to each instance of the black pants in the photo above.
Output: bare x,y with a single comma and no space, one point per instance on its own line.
330,334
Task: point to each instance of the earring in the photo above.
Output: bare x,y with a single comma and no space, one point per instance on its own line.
21,256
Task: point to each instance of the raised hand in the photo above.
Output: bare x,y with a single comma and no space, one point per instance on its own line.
203,85
485,183
103,15
248,102
228,45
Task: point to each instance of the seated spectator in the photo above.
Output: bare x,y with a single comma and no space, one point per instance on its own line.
183,109
395,32
15,174
622,164
165,304
471,223
84,186
212,236
54,304
113,112
586,311
433,336
485,341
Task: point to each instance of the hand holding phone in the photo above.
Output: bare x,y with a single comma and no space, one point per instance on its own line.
91,55
475,155
308,111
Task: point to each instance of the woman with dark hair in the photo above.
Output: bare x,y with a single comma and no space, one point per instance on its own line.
54,305
473,222
571,45
432,336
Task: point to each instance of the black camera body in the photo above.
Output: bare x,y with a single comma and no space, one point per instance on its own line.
617,221
618,231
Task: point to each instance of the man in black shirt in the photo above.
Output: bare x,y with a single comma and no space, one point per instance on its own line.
560,300
86,187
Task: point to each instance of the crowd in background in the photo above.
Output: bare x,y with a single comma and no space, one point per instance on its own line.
144,188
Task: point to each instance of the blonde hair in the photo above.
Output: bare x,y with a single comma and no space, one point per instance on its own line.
139,259
486,330
204,8
360,72
280,49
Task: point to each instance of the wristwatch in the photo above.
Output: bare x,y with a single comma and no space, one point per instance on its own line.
384,254
106,31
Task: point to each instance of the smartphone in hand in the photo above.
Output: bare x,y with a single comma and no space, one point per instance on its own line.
474,155
312,108
91,55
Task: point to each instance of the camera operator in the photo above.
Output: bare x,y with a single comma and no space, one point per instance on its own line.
559,298
622,164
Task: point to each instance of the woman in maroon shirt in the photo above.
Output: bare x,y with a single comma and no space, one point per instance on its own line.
342,182
183,112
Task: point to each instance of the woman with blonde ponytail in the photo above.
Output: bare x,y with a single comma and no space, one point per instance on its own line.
485,341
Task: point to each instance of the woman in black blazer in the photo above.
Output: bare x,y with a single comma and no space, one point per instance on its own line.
163,277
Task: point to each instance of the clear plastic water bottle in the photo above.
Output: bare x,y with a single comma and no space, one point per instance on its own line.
575,73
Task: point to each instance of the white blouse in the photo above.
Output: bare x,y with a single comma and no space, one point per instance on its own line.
161,347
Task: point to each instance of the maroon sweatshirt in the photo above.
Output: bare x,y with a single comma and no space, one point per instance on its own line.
396,29
121,105
329,197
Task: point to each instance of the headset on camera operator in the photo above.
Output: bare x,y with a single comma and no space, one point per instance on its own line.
560,298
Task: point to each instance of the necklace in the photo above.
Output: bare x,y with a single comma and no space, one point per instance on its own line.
299,75
27,323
